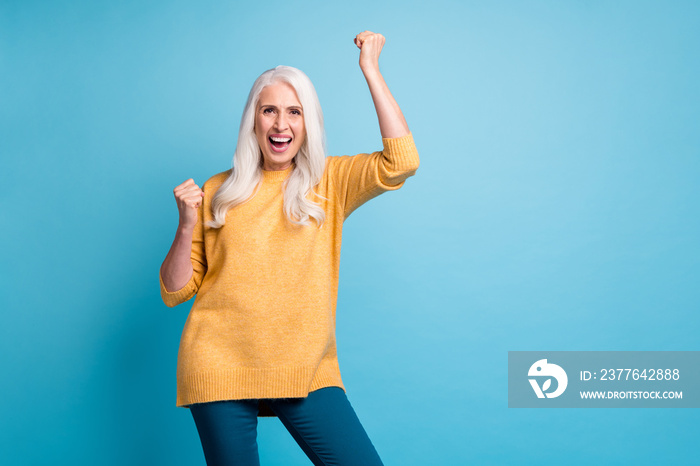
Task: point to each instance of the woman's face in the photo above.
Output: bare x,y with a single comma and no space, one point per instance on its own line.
279,125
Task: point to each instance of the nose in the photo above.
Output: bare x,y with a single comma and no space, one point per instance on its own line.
281,122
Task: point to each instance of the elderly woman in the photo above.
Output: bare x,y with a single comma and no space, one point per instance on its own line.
260,247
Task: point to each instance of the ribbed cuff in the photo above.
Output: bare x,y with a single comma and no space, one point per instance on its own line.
402,153
173,298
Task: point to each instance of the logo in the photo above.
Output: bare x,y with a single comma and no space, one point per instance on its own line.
544,369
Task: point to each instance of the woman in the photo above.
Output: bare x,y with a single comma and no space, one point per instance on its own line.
260,247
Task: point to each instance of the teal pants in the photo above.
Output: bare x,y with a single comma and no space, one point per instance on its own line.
324,424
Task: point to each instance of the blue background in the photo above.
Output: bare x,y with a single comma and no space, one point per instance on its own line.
556,208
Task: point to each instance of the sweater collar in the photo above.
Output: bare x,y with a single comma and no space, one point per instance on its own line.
276,176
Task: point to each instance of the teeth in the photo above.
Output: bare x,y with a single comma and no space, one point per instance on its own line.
281,139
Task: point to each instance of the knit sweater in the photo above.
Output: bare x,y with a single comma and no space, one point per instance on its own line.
263,322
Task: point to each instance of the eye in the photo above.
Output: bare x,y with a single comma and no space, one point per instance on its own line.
268,110
296,112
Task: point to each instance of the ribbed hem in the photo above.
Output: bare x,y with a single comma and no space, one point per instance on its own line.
402,153
173,298
255,383
277,175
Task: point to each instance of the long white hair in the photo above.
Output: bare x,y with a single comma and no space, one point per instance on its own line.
246,172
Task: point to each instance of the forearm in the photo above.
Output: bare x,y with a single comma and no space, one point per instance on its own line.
392,123
176,269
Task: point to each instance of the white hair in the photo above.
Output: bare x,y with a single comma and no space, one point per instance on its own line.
309,162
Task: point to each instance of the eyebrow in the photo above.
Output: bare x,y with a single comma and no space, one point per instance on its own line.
292,107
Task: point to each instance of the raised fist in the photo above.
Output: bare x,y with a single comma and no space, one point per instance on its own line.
189,198
370,45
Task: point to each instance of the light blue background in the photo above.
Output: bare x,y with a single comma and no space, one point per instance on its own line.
556,208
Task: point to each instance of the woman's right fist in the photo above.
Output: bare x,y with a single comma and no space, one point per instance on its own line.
189,198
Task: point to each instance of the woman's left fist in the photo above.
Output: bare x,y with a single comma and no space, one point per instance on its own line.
370,45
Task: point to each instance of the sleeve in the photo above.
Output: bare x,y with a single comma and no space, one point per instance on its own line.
359,178
199,266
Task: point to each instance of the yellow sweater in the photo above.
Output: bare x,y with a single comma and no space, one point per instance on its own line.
263,322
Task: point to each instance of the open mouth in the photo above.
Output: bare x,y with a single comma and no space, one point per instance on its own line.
279,144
